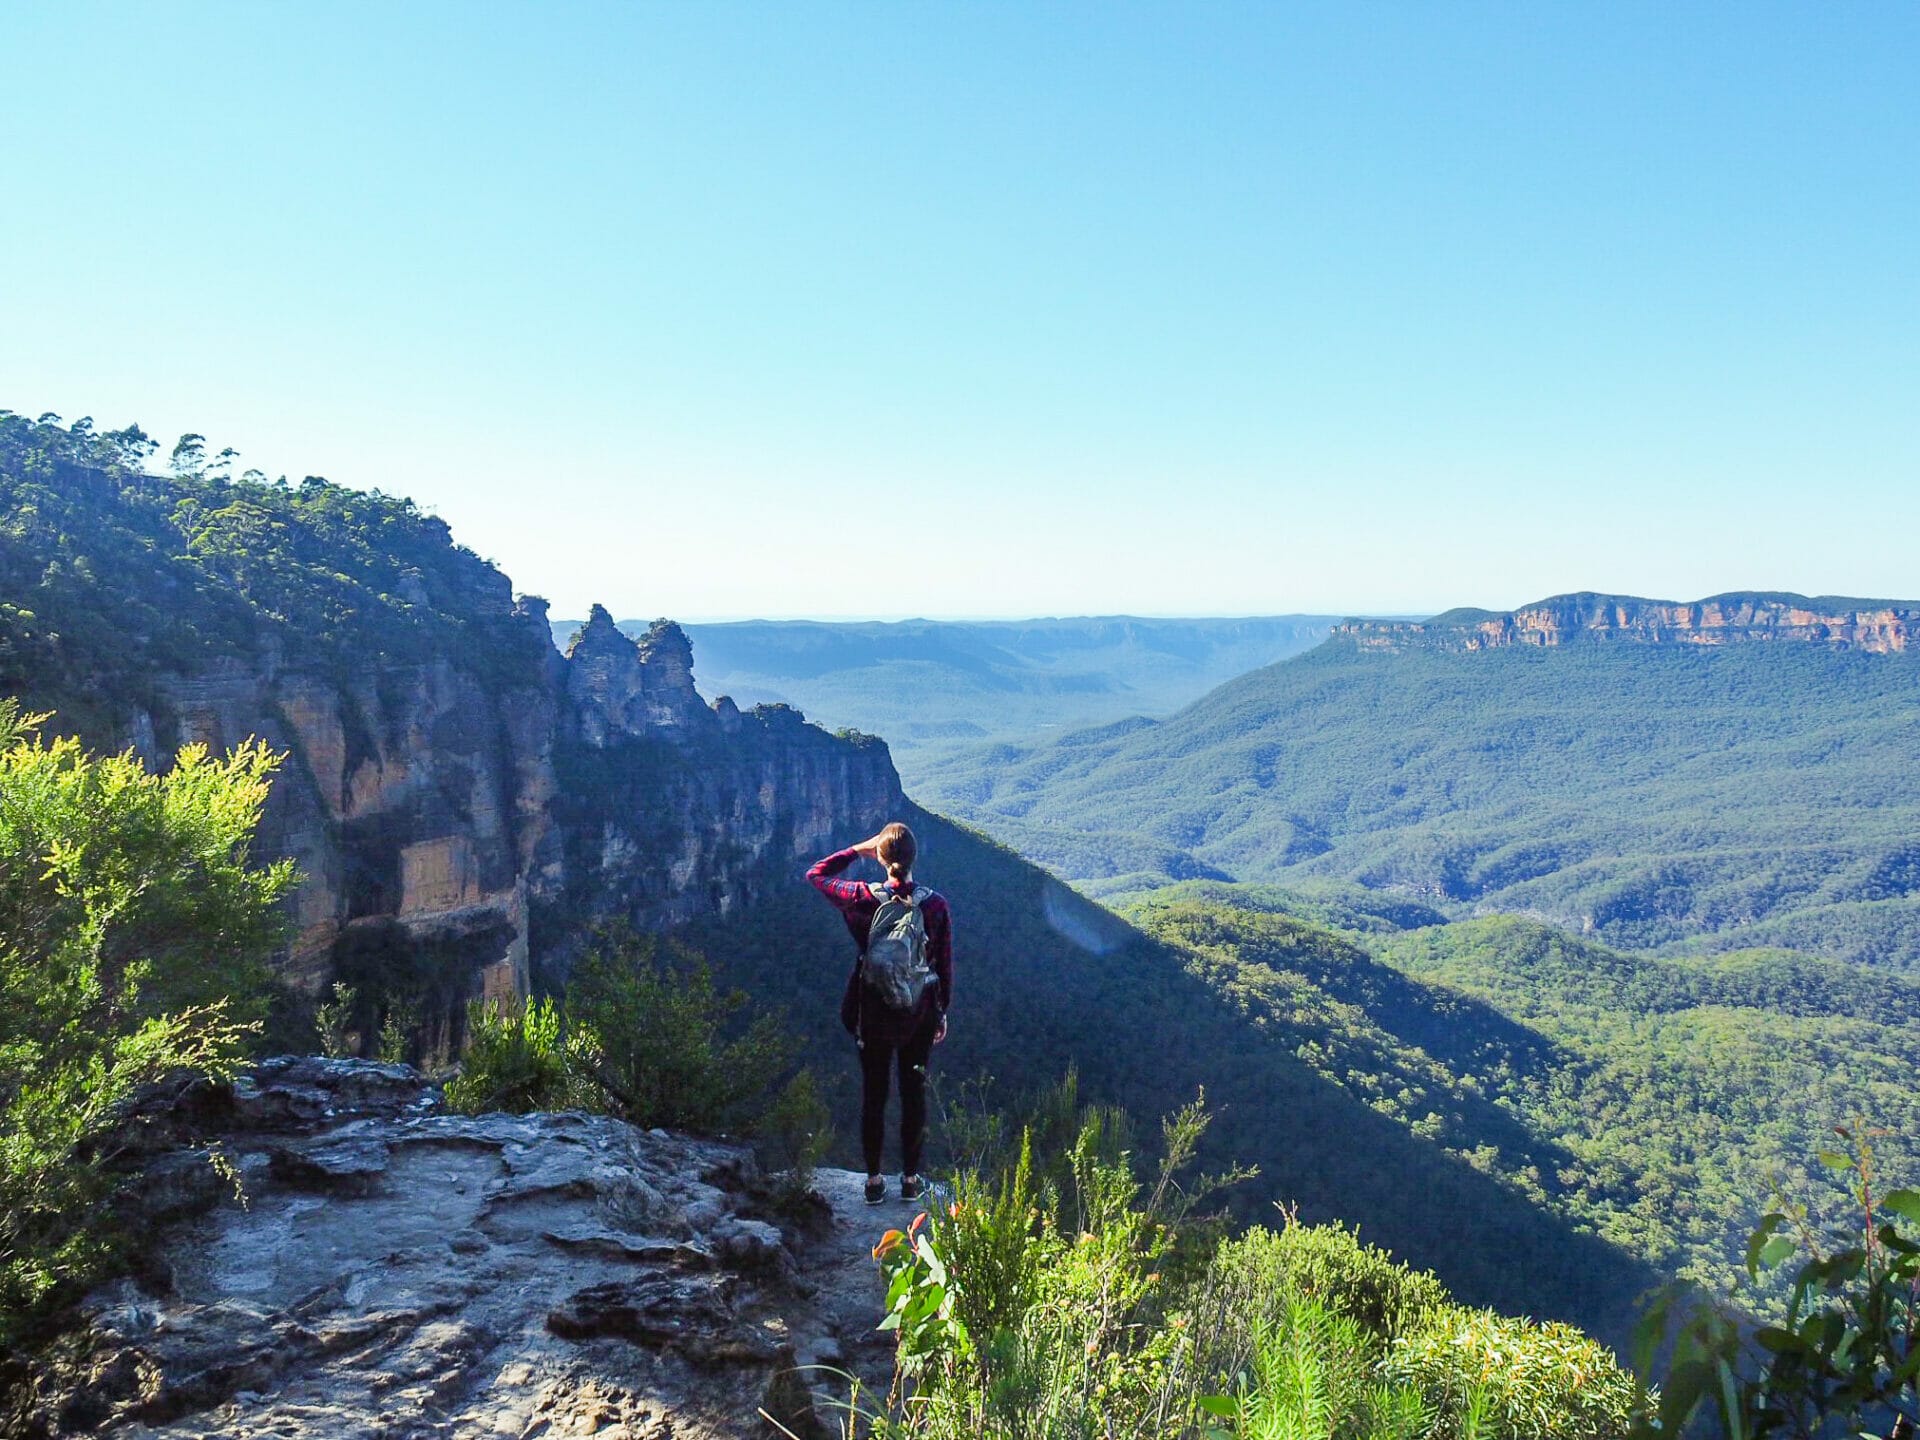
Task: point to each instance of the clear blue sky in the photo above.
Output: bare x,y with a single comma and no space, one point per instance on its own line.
1181,309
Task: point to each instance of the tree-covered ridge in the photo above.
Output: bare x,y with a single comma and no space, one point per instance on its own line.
1713,1080
1655,1100
1657,796
111,574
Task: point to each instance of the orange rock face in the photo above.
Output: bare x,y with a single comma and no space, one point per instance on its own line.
1877,627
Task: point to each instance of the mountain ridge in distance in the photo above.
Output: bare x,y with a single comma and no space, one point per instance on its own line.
1742,778
1877,626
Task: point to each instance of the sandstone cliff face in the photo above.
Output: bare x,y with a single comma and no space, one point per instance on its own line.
448,822
415,798
1879,627
671,807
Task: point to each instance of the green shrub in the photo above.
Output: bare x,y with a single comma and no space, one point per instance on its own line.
1264,1270
1843,1356
522,1058
133,940
793,1134
645,1038
921,1302
396,1030
333,1023
1313,1379
662,1029
1536,1381
994,1239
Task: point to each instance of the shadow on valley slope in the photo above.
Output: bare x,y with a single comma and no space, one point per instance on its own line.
1046,979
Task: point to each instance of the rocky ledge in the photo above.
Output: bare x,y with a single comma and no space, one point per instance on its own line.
368,1266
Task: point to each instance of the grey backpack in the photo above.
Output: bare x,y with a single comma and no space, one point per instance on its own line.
895,965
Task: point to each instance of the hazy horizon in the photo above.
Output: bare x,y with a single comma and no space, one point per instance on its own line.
1014,618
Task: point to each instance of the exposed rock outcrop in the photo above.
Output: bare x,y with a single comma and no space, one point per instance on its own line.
415,797
1877,626
397,1271
440,810
672,808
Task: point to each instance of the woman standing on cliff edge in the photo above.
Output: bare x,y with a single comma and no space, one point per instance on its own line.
897,996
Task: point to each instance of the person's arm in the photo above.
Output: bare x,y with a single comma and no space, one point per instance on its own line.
841,892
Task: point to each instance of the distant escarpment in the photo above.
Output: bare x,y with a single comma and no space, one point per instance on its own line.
1876,626
457,793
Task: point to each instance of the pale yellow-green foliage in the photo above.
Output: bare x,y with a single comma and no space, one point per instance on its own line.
133,939
1546,1381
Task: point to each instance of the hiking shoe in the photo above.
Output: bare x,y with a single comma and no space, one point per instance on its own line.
911,1187
876,1190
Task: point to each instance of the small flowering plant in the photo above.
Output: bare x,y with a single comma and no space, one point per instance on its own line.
920,1299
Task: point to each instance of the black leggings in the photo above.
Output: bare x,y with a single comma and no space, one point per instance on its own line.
876,1061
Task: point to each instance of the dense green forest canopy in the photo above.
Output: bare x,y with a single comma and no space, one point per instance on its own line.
1655,796
111,575
1659,1101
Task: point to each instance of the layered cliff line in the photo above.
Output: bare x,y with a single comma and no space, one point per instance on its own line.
461,797
1876,626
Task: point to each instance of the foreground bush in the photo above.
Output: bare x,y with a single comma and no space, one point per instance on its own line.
1263,1270
1029,1309
1512,1377
792,1134
133,941
1313,1376
673,1051
1842,1356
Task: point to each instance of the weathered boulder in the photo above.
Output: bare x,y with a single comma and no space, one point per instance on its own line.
393,1270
